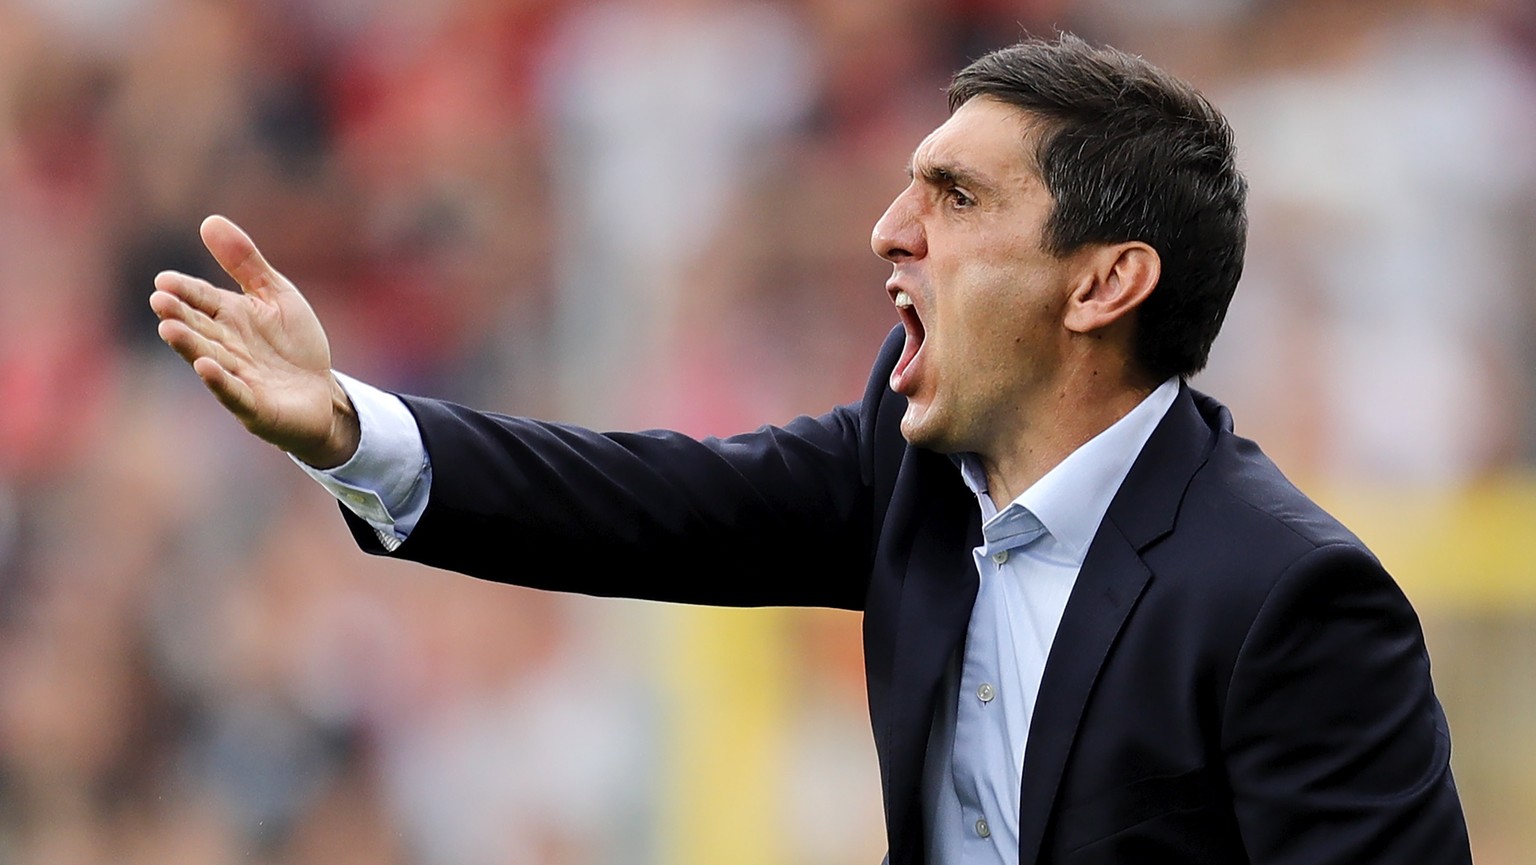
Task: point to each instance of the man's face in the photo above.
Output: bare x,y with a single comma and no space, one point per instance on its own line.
984,324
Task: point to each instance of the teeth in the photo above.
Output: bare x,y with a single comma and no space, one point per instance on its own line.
903,300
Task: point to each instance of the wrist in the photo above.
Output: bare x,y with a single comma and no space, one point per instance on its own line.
345,433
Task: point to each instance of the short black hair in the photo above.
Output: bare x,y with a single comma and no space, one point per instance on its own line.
1129,152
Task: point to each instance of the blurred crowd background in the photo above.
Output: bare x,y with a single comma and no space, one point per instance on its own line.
637,213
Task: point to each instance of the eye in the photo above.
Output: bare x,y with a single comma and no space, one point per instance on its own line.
958,199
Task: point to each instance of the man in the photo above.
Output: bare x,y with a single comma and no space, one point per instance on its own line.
1099,627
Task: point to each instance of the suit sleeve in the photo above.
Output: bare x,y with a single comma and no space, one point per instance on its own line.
1337,749
779,516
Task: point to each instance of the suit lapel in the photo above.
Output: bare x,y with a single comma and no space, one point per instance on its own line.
938,590
1112,580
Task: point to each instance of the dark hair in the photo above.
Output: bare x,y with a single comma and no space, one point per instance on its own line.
1129,152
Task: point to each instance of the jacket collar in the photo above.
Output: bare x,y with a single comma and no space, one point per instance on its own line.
939,588
1112,580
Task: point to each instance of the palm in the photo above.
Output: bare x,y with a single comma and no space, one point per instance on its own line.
281,354
261,351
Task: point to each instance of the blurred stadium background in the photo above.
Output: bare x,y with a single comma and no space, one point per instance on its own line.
655,212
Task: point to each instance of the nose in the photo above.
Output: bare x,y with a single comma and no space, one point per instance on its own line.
898,236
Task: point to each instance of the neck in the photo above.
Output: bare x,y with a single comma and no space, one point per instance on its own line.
1067,415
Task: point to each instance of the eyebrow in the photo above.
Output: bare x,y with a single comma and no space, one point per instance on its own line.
945,175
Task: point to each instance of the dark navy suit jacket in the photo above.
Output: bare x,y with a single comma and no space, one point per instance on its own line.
1235,679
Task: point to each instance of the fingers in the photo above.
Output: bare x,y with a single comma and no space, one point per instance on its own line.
191,302
190,331
192,345
237,254
174,290
212,363
230,391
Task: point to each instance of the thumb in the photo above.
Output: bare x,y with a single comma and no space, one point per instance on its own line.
234,250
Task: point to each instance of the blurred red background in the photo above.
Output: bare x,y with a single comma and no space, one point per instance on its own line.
637,213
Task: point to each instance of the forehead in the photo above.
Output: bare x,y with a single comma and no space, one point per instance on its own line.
984,135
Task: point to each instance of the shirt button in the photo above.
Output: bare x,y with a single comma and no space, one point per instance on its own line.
1000,556
983,829
985,693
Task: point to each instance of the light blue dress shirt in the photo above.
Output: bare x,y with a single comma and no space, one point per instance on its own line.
388,481
1029,559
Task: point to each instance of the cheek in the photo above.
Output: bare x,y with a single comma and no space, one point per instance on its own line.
993,303
1002,340
998,313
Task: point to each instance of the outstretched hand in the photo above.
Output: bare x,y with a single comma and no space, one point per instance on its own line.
261,351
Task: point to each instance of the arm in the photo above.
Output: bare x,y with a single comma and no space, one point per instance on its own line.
778,516
1337,749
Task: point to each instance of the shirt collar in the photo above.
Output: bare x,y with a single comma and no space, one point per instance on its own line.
1071,499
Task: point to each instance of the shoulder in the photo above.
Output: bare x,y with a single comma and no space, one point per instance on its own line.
1255,572
1239,531
1197,489
1240,499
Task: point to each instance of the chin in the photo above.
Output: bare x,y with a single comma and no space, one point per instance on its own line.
925,430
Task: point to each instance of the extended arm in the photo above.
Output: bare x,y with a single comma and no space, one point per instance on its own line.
780,516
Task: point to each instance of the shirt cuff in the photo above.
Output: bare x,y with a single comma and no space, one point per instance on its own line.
388,480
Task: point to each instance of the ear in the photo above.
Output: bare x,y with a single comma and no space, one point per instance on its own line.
1114,280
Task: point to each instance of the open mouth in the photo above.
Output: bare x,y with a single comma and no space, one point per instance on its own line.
901,376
